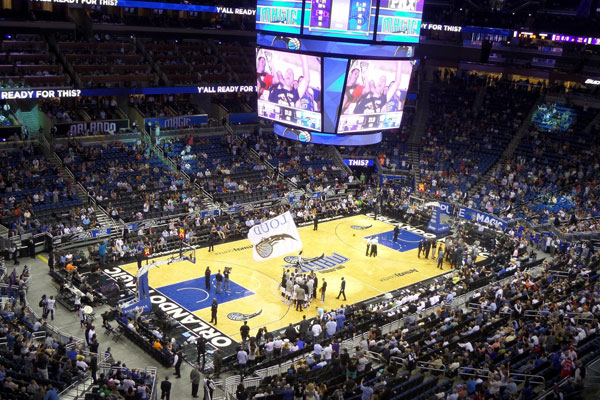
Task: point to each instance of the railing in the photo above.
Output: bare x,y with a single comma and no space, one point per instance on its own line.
340,160
397,361
77,388
456,302
204,131
53,330
483,373
173,164
592,379
107,369
431,366
232,382
477,306
83,385
563,274
575,315
395,325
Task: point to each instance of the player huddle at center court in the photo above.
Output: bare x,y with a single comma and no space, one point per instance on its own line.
301,289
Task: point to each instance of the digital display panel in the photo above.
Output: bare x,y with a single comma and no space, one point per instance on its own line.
399,20
279,16
359,162
289,88
306,136
335,47
374,95
333,89
352,19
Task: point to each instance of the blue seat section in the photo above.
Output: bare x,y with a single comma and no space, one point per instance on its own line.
34,197
123,177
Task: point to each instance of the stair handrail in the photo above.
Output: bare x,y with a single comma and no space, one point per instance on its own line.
517,377
168,160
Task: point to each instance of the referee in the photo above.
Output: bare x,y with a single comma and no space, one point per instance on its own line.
299,261
374,242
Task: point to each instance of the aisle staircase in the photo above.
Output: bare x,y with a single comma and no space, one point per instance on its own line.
508,151
30,120
479,99
207,199
338,159
422,114
414,157
594,122
419,127
262,161
104,220
77,391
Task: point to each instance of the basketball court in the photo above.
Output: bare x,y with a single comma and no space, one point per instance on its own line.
254,294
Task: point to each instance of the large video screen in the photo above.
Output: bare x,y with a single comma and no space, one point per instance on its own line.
352,19
289,88
374,95
399,20
279,15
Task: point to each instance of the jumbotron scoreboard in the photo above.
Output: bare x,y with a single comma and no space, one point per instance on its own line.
335,71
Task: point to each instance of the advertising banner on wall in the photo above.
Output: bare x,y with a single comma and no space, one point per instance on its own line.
481,218
182,121
80,127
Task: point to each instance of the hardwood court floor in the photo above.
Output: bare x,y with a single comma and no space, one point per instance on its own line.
254,285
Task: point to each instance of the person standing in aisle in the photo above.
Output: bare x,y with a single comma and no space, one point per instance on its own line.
209,387
201,351
50,304
217,362
342,290
165,389
102,252
51,260
195,379
177,361
213,312
14,251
